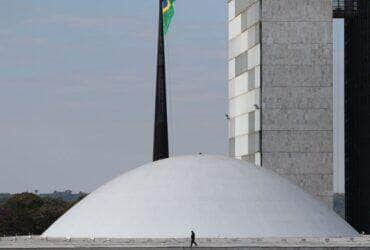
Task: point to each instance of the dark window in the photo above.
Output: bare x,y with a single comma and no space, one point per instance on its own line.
241,64
252,79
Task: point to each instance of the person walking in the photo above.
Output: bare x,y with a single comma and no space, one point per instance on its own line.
192,237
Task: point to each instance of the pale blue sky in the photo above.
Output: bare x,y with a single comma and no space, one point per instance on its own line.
77,88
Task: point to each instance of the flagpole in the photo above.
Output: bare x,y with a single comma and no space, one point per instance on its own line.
160,141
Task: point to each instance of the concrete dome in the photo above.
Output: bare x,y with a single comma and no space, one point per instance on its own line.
213,195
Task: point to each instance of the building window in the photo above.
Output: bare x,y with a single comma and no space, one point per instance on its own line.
241,63
252,79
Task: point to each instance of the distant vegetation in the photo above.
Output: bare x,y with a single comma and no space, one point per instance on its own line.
4,197
67,195
29,213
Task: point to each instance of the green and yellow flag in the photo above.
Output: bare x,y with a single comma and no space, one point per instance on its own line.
168,11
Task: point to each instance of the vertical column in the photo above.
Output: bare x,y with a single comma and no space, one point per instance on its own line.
297,95
244,80
160,138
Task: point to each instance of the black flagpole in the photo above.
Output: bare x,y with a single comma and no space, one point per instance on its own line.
160,145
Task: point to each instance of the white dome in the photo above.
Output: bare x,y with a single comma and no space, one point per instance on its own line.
215,196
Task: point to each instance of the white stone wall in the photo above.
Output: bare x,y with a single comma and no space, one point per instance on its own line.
293,94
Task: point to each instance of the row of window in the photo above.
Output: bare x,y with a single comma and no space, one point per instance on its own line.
244,62
244,124
244,83
244,145
244,41
244,103
245,20
244,74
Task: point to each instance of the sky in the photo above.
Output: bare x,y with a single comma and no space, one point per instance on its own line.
338,106
77,88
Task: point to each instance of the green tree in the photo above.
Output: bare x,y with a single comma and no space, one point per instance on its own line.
7,223
27,213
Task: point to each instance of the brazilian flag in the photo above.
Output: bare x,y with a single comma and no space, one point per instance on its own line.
168,12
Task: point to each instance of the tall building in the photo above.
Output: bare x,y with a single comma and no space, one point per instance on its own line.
280,89
280,118
356,14
357,121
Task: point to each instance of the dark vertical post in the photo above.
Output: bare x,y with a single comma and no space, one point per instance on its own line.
160,146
